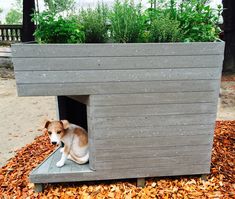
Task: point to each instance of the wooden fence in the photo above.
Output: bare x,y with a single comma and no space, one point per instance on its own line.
11,33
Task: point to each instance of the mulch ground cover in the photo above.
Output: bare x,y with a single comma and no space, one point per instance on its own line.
220,183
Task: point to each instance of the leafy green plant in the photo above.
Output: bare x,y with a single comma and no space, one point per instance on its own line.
194,19
94,22
126,22
164,29
198,21
163,21
53,29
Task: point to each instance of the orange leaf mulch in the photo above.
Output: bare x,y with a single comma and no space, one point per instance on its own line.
219,184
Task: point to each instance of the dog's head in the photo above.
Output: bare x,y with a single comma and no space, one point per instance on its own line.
56,130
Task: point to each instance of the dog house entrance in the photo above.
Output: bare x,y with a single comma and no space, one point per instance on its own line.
73,109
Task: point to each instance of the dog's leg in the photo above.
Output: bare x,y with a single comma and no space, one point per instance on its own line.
84,159
62,147
63,158
61,150
81,160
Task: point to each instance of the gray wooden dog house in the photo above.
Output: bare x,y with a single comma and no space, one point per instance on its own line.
149,109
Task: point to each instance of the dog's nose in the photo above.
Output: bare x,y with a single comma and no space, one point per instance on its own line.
54,143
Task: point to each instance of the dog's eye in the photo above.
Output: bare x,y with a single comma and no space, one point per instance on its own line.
49,132
58,132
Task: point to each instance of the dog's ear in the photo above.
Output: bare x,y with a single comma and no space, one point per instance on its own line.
65,124
47,124
44,130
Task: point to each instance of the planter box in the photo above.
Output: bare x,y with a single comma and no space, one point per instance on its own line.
150,109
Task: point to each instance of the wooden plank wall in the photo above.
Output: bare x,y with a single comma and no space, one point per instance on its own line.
152,107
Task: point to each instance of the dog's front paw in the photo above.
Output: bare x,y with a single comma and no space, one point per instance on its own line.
60,164
62,150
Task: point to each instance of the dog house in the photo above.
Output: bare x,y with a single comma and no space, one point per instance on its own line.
149,109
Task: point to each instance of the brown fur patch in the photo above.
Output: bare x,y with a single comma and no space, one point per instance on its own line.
83,138
47,124
57,126
65,123
66,149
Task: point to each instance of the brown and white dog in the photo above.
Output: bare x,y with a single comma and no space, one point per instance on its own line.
75,141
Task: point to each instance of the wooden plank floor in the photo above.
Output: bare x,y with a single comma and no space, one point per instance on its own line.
47,172
48,167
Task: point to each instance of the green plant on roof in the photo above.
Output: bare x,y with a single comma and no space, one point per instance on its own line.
126,21
94,22
53,29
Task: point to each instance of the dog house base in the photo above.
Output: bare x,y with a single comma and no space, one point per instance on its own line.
38,187
48,172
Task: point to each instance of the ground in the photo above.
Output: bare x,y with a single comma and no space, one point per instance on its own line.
23,117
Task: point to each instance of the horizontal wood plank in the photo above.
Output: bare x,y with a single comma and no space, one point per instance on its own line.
117,87
160,109
150,142
150,121
153,98
114,49
141,132
146,152
96,76
78,175
120,163
109,63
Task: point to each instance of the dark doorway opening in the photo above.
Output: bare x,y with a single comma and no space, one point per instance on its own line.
72,110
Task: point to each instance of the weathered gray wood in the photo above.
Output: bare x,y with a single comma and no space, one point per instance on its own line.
84,99
160,109
83,173
55,158
38,187
92,150
128,143
109,63
181,169
45,165
116,75
140,182
83,168
204,177
125,49
150,152
67,167
151,108
150,121
117,87
168,130
176,97
146,163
